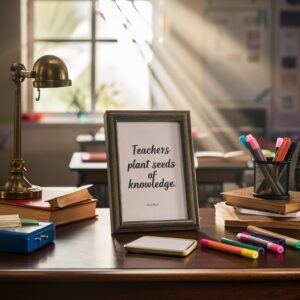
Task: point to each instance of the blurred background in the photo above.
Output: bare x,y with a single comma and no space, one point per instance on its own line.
234,64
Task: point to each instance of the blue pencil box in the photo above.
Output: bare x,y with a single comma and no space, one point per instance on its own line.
26,239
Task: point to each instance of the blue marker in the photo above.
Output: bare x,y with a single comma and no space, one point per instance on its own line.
243,140
278,241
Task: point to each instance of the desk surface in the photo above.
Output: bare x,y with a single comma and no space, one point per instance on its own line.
86,253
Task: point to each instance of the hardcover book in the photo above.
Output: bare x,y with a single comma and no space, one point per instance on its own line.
93,156
61,197
244,198
229,217
41,209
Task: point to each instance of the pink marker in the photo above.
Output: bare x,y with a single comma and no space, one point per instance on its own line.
278,142
245,237
256,149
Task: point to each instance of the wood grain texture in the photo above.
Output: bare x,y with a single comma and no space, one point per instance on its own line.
87,262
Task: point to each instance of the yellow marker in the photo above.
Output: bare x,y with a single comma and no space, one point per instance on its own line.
249,253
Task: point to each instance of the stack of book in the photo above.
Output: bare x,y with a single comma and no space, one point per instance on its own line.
242,209
57,205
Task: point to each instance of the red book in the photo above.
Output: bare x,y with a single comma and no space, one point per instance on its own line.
42,210
93,156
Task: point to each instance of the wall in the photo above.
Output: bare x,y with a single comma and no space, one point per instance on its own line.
46,148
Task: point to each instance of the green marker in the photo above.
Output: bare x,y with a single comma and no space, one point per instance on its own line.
29,222
289,241
260,250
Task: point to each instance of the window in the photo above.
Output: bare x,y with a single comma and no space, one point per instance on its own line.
100,44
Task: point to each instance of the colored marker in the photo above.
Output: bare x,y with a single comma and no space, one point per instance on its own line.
260,250
256,148
278,143
291,151
228,248
274,240
283,150
29,222
245,237
288,240
246,145
260,157
243,140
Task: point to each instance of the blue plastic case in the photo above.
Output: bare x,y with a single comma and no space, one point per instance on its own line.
26,239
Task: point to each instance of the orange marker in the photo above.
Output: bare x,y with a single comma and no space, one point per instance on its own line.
228,248
282,151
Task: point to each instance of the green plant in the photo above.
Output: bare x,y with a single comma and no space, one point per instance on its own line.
77,100
105,95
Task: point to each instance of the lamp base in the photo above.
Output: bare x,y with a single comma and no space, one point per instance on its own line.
27,193
18,187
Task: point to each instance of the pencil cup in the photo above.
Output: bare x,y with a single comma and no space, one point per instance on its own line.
271,180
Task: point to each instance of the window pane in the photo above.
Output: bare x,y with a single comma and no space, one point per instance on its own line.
108,20
121,77
76,98
62,19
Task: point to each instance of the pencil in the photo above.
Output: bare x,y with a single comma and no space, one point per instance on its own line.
288,240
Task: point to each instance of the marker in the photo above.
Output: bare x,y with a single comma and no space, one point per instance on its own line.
256,149
274,240
228,248
260,157
283,150
243,140
246,145
288,240
278,143
291,151
245,237
29,222
260,250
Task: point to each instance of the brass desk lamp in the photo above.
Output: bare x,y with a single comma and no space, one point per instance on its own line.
48,71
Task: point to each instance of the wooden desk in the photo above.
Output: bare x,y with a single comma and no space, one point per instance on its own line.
90,141
86,262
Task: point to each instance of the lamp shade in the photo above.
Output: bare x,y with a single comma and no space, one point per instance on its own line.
49,72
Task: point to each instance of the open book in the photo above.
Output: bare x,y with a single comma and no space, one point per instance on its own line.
216,158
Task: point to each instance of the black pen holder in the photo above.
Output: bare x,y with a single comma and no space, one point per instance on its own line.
271,180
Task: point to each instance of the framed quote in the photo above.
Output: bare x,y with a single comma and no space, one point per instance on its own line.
151,175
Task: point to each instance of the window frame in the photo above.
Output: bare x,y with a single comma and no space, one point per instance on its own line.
92,41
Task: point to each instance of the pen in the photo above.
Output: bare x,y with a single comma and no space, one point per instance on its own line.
245,237
260,250
288,240
228,248
274,240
